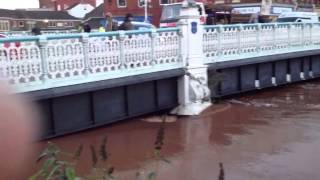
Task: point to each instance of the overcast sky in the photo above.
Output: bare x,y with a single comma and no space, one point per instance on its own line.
14,4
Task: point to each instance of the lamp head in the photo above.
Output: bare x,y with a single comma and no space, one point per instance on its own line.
189,3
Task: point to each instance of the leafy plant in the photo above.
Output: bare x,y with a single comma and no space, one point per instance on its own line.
58,165
53,168
160,140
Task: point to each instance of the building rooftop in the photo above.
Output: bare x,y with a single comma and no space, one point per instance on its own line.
97,12
35,14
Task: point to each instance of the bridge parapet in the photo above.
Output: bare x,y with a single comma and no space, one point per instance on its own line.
232,42
42,62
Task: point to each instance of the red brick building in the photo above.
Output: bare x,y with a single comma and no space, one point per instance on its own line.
61,5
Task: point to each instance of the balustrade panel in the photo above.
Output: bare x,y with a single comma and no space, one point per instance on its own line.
229,41
137,52
296,35
167,49
65,58
248,39
315,34
267,36
307,34
20,62
211,42
104,54
282,35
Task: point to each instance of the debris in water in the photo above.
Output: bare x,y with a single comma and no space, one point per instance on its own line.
158,119
233,101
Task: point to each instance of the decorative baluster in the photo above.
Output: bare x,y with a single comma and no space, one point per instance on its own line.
180,34
122,36
288,76
43,42
289,35
312,44
153,36
219,47
240,29
274,36
302,40
258,37
85,46
311,34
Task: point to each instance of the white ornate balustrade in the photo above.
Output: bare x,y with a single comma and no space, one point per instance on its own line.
35,63
232,42
48,61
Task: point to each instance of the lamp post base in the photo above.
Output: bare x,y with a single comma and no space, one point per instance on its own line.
191,109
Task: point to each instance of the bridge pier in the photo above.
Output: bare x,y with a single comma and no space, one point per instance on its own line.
193,90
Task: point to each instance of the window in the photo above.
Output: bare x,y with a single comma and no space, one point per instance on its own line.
141,3
4,26
219,1
21,24
52,24
164,1
122,3
68,24
60,24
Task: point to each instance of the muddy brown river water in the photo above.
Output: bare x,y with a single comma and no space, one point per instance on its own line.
267,135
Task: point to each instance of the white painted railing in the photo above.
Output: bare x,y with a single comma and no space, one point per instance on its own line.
42,62
232,42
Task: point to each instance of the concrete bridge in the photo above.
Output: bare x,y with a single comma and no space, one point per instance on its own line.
82,81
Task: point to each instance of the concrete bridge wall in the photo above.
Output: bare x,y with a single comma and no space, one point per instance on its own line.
263,72
70,109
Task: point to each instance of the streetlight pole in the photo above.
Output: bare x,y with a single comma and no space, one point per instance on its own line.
146,11
189,2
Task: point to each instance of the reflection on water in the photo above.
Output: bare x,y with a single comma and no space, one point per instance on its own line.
265,135
221,172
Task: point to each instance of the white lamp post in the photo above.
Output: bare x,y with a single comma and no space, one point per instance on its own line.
146,11
189,3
